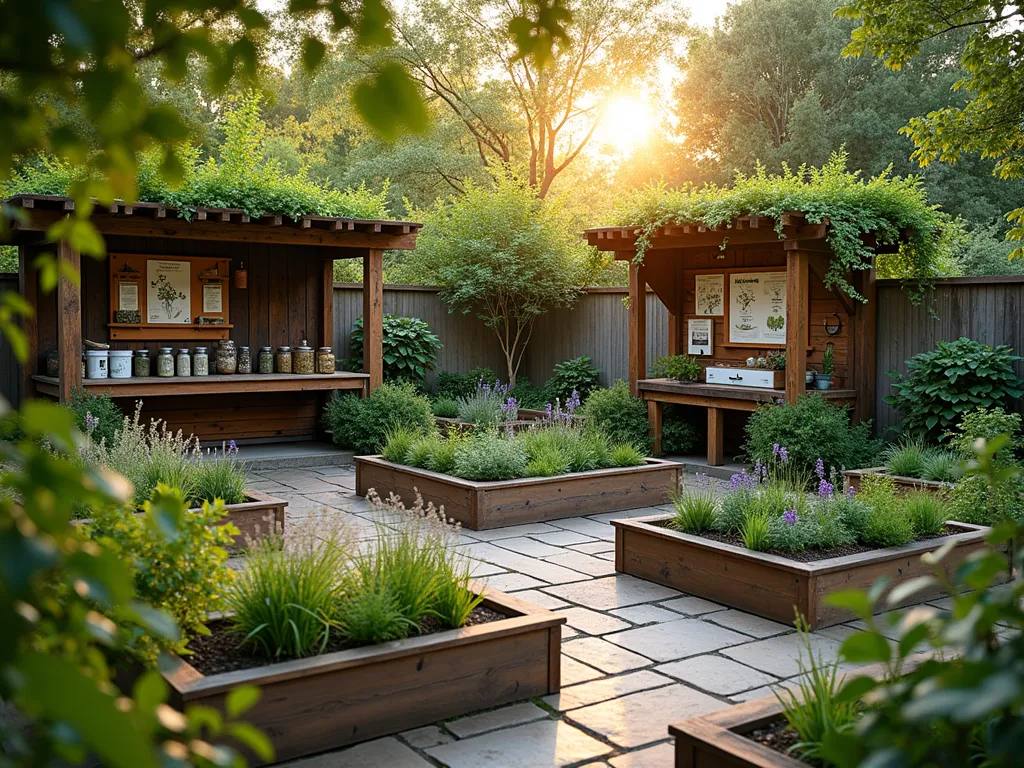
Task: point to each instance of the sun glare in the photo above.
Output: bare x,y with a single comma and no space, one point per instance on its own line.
626,125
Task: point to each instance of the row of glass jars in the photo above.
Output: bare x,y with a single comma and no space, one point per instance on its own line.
228,359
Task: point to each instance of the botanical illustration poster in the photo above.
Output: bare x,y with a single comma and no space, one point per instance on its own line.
128,296
700,337
757,307
168,289
213,298
710,294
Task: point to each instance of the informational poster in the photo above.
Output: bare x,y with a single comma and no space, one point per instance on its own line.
128,296
757,308
710,295
700,336
168,291
213,298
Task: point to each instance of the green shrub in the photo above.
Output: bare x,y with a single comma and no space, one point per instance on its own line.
443,457
397,442
625,455
547,461
527,395
695,509
578,375
973,501
622,417
794,530
370,614
987,423
215,477
734,509
409,348
942,385
678,435
490,456
829,527
756,530
809,430
586,449
678,367
940,465
362,423
458,385
488,405
422,450
905,459
445,407
97,416
928,512
852,513
169,466
888,524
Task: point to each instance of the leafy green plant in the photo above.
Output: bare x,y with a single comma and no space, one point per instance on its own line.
695,509
928,512
420,452
974,501
678,367
851,511
488,406
940,465
97,416
362,423
459,385
370,614
811,429
409,348
794,530
218,477
442,459
489,456
905,458
622,417
445,407
828,364
987,424
578,375
678,434
527,395
625,455
957,377
755,530
547,461
397,442
888,524
776,361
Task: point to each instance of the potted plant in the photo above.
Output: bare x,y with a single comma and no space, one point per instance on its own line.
823,380
683,368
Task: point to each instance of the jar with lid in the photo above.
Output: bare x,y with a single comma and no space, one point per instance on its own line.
53,363
184,363
140,365
266,360
325,360
164,362
201,362
227,357
303,359
244,360
283,360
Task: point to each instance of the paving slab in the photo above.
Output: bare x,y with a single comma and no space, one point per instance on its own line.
543,599
517,714
604,656
673,640
659,756
592,622
388,751
768,690
478,569
645,614
642,718
576,696
528,546
574,672
539,569
587,527
564,538
610,592
584,563
594,547
536,745
692,606
626,514
749,624
428,736
512,531
508,582
716,674
780,655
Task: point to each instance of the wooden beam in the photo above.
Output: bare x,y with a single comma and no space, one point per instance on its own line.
327,308
819,265
865,341
637,327
69,323
28,287
702,237
373,317
716,437
676,334
654,411
797,302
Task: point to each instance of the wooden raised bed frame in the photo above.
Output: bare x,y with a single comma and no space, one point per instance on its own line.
337,699
257,518
480,506
772,586
852,479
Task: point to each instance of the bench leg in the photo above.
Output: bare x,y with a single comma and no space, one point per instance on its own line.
716,437
654,418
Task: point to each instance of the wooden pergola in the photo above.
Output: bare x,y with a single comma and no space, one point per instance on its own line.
287,297
677,256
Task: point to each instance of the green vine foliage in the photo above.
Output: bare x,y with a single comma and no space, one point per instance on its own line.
242,177
409,348
892,208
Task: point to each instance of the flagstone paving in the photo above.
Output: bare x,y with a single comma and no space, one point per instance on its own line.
636,656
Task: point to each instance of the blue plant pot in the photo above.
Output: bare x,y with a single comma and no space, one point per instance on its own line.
823,381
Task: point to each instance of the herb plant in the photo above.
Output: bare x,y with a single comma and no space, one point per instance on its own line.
905,459
490,456
619,415
695,509
361,423
409,348
445,407
578,375
458,385
678,367
97,416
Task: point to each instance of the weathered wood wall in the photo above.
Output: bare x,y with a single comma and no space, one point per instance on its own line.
10,370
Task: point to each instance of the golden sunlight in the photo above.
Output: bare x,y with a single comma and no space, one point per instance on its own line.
627,123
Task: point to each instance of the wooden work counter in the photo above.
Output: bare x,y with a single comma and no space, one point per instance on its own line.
155,386
717,398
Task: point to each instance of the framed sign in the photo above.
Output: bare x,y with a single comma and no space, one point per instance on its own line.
700,336
168,291
757,308
710,295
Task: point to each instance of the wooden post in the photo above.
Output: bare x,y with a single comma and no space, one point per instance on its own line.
716,437
676,335
373,317
654,411
69,323
327,310
864,346
28,286
797,298
637,328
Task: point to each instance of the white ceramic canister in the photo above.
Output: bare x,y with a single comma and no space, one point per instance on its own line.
120,363
96,363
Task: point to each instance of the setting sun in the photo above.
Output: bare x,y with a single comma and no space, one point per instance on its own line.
626,124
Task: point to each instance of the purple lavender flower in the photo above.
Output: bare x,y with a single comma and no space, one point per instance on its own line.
775,449
549,409
510,406
825,488
819,469
91,422
759,471
851,492
232,447
789,517
572,403
783,455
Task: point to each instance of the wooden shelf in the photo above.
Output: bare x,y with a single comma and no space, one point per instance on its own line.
169,331
678,391
155,386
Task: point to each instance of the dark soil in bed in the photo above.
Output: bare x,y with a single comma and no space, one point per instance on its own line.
778,737
220,652
808,555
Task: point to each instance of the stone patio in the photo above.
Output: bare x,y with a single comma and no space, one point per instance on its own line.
636,656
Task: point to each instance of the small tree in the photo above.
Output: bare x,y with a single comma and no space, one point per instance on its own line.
503,254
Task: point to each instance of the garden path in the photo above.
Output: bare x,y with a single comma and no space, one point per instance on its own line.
636,656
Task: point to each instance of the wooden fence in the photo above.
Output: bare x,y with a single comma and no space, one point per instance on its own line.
10,368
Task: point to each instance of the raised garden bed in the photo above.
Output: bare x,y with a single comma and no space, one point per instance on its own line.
525,417
336,699
256,518
852,479
483,505
770,585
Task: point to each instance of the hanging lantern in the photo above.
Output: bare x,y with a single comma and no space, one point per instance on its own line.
241,276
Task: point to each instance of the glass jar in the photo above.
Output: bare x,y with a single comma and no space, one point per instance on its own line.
83,365
164,363
184,363
244,360
140,365
53,363
283,360
266,360
227,357
201,362
303,359
325,360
